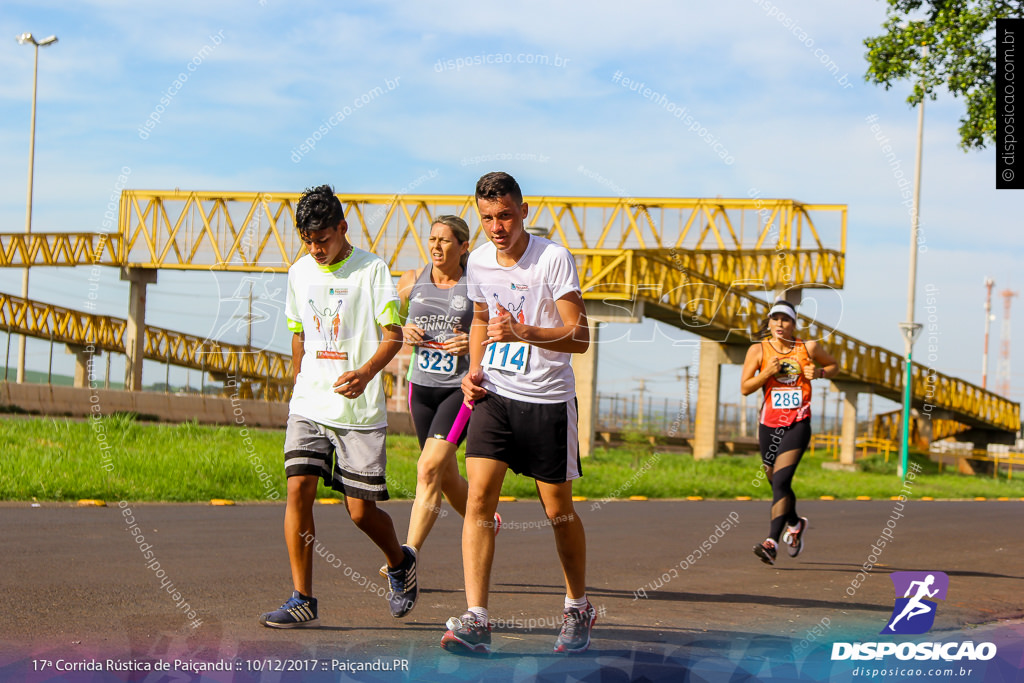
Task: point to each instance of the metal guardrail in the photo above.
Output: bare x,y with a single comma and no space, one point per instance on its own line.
831,444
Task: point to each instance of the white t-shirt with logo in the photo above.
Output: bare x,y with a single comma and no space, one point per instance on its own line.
528,290
341,309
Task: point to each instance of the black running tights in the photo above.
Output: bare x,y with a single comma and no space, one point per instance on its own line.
781,451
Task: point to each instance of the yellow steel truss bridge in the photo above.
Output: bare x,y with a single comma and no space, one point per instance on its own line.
691,263
268,369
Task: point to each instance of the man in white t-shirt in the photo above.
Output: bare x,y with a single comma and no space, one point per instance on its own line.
342,308
529,318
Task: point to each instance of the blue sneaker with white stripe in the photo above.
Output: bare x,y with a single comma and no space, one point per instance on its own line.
298,612
404,590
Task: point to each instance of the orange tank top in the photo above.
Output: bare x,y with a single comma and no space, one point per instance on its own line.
787,395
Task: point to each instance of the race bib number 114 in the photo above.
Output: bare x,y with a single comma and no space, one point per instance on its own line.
507,356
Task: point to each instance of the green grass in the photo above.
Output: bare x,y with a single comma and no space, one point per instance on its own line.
56,459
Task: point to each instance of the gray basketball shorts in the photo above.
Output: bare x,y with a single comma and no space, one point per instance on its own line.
350,461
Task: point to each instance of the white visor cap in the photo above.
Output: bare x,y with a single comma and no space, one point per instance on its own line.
783,307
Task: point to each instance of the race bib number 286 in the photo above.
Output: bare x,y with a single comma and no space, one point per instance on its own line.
786,399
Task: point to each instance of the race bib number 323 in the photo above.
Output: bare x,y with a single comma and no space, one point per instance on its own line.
435,361
507,356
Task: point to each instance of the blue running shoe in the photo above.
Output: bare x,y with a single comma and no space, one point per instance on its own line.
404,590
298,612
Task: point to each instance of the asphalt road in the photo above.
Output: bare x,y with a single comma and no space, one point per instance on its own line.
76,588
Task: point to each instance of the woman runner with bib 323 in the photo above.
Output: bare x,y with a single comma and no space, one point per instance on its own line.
438,314
782,366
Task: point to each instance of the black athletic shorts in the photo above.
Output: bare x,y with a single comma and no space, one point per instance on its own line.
434,410
776,440
539,440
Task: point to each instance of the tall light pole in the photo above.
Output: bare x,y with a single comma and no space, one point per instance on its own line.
28,39
988,321
909,328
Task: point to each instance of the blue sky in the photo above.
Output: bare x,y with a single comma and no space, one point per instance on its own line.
537,99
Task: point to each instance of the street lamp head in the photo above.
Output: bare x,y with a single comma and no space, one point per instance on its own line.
29,39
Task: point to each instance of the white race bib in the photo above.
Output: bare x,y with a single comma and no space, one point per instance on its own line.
435,361
507,356
786,399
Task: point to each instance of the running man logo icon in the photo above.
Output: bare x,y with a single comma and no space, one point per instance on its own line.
517,311
913,613
328,323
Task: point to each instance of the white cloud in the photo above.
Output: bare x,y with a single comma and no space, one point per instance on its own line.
283,69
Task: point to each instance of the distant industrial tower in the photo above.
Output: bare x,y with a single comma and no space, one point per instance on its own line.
988,323
1004,344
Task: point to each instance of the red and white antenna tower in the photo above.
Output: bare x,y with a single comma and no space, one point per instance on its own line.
988,323
1004,344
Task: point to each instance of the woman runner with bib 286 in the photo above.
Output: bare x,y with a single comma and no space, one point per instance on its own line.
782,366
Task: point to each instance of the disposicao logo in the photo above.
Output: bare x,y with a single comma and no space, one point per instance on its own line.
912,614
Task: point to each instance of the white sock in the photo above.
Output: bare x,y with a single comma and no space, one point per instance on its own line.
480,613
578,603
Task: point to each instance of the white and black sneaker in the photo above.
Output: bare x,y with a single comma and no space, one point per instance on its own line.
793,537
766,550
467,634
574,638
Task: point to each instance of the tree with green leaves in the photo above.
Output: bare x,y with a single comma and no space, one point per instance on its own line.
944,44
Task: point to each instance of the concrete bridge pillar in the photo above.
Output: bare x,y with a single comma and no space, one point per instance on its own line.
135,330
584,365
712,356
84,362
792,295
926,419
848,430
